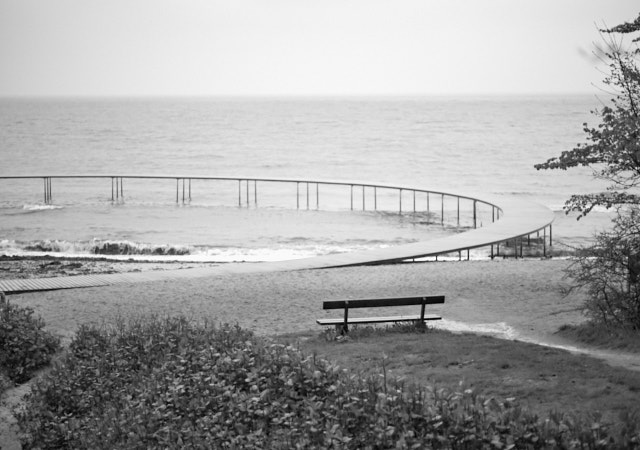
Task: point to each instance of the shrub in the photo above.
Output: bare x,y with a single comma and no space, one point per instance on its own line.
24,345
171,383
609,272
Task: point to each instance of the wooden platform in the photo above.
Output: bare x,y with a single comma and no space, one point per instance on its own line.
519,219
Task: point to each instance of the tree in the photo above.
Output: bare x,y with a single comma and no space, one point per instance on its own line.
613,147
610,269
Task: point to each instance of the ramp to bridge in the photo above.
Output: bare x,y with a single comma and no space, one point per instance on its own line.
519,219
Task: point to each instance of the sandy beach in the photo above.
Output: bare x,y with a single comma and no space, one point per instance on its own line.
513,299
520,299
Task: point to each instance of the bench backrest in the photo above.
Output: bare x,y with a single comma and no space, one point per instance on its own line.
386,301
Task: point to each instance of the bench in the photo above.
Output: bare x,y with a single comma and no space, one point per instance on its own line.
342,324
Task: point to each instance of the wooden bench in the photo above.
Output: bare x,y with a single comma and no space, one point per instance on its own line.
342,324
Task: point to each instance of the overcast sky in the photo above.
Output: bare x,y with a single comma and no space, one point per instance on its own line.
302,47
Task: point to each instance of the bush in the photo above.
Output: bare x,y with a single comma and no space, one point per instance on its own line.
171,383
609,271
24,345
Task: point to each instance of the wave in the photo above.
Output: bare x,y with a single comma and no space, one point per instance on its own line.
93,247
41,207
120,249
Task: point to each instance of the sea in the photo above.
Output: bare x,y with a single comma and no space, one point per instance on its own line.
484,146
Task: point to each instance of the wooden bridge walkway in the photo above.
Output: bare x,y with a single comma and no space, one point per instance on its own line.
520,219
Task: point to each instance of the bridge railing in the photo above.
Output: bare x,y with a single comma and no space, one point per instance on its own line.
308,194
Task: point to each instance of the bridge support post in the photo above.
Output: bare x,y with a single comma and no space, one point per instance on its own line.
47,190
475,214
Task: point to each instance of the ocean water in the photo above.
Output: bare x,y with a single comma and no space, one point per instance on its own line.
482,146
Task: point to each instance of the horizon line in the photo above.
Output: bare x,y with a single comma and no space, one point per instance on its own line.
294,96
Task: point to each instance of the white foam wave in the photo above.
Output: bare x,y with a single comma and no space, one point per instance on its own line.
498,329
41,207
122,249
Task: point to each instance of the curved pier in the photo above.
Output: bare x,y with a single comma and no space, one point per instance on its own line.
511,222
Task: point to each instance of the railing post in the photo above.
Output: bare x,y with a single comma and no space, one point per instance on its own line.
247,187
458,211
177,190
442,211
544,242
400,201
352,197
428,206
183,182
111,188
414,201
189,190
375,198
239,193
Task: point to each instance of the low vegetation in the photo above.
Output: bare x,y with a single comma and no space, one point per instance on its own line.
25,346
175,383
605,337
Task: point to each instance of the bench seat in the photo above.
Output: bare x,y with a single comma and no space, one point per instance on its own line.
343,323
358,320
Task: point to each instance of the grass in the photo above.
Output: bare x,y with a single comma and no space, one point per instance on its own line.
542,378
602,337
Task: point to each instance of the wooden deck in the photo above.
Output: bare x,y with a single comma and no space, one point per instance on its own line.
519,219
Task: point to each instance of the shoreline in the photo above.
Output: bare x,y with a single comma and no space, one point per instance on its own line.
47,266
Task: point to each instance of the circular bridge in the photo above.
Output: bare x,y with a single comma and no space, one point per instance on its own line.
512,222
